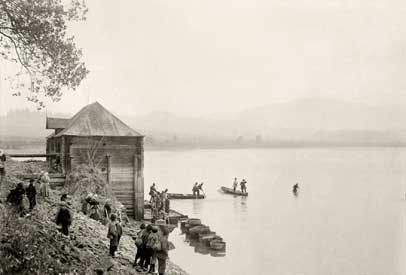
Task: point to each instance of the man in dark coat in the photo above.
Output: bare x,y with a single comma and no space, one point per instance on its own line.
2,166
31,193
64,216
16,196
114,234
145,259
138,243
162,253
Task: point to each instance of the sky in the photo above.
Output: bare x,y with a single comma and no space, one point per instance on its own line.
194,57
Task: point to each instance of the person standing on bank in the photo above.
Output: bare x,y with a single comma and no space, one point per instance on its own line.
138,244
162,253
152,191
31,193
44,186
64,216
2,167
113,234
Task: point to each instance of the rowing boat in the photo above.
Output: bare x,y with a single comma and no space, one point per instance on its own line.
177,196
231,191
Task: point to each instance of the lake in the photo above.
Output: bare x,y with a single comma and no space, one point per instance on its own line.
349,217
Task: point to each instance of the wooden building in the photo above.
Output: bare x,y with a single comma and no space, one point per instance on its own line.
95,136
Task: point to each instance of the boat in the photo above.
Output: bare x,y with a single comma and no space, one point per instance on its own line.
231,191
178,196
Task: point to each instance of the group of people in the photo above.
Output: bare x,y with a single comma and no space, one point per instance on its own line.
91,206
243,185
16,195
160,203
197,188
152,248
16,198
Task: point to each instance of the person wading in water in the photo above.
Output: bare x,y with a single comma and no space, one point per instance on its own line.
296,189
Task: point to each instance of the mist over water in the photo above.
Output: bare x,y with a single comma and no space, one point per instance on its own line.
347,219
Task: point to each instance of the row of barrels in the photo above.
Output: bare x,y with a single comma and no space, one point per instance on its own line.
198,231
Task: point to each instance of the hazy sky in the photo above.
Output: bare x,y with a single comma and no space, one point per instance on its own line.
195,57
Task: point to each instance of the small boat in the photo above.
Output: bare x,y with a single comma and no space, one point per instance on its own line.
231,191
177,196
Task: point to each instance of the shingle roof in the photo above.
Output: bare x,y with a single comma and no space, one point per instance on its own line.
95,120
57,123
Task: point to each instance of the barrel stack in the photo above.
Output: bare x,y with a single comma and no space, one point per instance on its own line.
202,233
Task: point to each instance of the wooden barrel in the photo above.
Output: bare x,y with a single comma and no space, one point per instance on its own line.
217,245
194,222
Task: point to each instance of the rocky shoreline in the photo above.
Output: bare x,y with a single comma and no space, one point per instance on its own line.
85,251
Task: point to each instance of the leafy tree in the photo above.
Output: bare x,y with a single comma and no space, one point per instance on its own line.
33,35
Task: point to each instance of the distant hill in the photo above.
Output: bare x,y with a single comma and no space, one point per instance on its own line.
316,119
25,123
309,121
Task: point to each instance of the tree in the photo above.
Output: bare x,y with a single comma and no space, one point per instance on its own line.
33,36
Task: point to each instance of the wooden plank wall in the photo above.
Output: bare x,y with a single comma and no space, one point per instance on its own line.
126,175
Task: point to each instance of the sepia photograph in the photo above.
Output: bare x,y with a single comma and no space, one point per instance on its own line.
198,137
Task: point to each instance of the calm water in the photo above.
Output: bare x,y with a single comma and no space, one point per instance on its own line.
349,217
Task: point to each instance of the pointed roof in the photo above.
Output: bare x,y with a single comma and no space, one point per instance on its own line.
95,120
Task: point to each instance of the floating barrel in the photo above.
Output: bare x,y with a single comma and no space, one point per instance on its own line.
203,235
217,245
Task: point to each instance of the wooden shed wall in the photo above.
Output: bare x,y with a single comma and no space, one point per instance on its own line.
121,159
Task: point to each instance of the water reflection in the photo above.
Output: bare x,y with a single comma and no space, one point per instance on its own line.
244,204
197,206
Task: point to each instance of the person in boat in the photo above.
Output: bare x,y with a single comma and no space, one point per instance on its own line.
235,184
243,185
195,189
296,189
152,191
200,188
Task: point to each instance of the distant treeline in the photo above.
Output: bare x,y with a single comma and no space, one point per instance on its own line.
22,144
